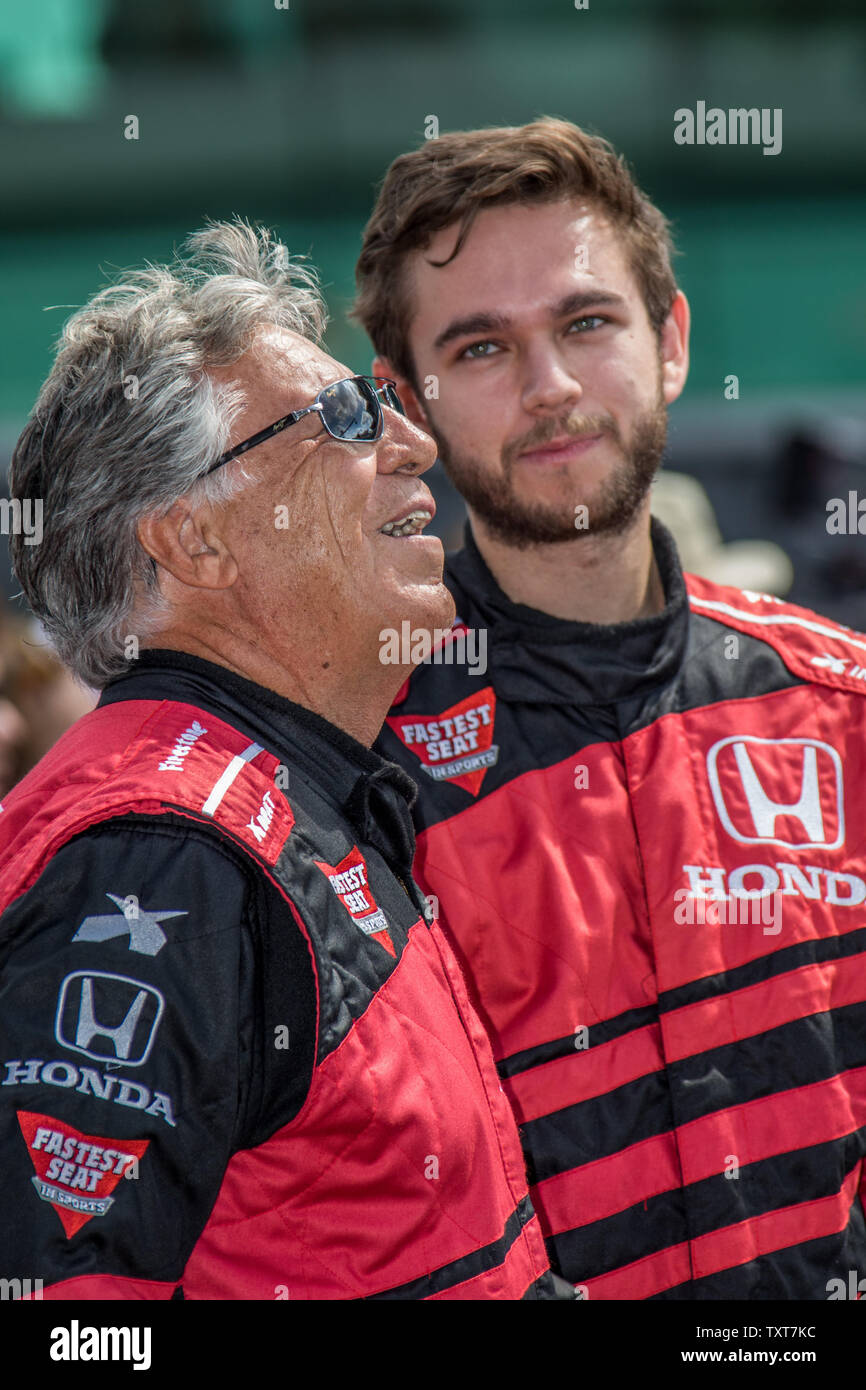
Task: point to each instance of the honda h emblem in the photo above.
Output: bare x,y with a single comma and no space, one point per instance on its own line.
778,791
108,1018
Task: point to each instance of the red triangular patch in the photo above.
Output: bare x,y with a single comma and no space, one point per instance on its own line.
76,1172
351,883
454,746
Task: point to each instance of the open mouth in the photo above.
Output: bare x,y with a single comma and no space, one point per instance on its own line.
410,525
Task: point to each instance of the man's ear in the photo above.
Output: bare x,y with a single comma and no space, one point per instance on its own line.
405,390
674,347
186,544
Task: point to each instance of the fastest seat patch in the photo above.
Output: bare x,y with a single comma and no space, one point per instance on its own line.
455,746
351,883
77,1172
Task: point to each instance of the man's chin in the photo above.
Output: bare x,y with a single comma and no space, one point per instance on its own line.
412,628
520,525
608,509
429,605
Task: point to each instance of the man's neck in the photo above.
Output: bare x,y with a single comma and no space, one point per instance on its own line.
355,703
592,579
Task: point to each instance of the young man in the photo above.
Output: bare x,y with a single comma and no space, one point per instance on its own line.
642,814
217,978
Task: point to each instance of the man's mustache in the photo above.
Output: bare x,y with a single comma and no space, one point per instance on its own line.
572,425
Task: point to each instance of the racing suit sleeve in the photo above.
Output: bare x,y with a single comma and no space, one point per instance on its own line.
134,1057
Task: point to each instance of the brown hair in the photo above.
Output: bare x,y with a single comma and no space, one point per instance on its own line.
454,177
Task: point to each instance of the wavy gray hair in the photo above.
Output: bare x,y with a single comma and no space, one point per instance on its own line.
128,421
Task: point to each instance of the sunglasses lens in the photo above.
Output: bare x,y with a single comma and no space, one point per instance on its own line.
393,400
350,410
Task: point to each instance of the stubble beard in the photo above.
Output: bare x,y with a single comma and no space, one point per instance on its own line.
611,508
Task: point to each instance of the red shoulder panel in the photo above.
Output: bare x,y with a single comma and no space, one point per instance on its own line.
144,756
814,648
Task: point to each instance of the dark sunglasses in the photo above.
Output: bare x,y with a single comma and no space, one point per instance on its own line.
351,411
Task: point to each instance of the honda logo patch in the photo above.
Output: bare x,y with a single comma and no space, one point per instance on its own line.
778,791
109,1018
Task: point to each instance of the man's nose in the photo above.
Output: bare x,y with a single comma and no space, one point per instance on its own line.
404,446
548,386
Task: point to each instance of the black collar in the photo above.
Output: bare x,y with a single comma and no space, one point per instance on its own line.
373,794
536,658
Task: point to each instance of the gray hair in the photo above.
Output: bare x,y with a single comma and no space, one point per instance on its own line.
128,421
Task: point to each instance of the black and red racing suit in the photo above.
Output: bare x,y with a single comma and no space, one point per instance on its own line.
236,1062
648,846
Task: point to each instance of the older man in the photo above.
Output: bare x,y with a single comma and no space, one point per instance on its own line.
237,1061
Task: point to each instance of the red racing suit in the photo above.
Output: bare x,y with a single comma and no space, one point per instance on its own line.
648,845
216,979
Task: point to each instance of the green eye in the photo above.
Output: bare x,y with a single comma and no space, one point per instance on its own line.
479,350
593,319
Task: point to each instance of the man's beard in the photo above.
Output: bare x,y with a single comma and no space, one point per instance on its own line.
612,506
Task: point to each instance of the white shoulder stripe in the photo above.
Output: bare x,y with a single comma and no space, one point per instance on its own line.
775,619
221,786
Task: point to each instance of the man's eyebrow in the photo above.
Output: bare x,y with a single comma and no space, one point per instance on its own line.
573,303
471,324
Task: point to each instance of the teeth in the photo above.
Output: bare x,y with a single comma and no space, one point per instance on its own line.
409,526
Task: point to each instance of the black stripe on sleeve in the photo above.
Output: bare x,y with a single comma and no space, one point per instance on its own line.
468,1266
669,1218
618,1027
813,951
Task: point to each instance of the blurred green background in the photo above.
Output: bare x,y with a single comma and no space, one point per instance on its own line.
289,114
